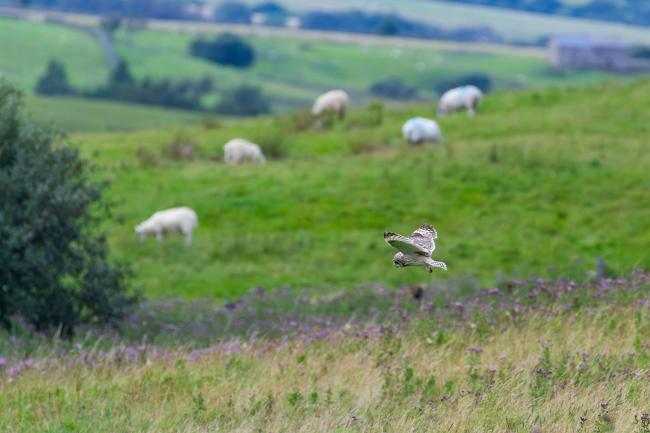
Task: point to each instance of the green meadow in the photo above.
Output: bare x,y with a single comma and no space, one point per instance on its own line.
539,183
292,71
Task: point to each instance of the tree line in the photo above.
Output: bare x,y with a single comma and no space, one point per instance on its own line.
226,50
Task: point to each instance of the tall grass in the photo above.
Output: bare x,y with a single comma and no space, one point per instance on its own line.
582,371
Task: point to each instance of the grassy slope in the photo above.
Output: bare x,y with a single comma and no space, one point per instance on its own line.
513,25
79,115
294,71
27,48
541,375
539,183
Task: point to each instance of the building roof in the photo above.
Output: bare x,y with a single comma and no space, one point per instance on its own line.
585,41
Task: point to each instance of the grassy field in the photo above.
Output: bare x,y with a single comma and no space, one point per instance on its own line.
570,358
291,70
294,71
28,47
83,115
540,183
511,24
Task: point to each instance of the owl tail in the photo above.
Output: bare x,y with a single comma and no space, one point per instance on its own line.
434,264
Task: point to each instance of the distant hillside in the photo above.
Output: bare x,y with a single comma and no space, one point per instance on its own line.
628,11
515,25
293,67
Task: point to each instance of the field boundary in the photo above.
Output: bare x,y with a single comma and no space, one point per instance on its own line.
178,26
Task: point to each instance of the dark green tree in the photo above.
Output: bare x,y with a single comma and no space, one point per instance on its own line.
393,88
54,268
227,49
244,101
54,81
121,75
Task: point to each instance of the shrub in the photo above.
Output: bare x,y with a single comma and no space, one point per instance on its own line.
54,268
227,49
146,157
302,120
393,88
271,140
372,116
244,101
181,147
361,142
122,86
54,81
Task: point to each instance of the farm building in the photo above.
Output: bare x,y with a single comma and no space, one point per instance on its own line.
585,52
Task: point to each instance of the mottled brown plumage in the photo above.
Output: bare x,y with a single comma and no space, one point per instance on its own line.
416,249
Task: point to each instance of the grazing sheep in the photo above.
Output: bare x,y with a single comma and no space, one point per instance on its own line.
460,98
237,151
335,101
178,219
419,130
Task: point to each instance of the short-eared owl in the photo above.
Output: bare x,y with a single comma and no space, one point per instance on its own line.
416,249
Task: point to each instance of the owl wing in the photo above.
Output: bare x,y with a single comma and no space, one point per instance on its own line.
423,237
404,244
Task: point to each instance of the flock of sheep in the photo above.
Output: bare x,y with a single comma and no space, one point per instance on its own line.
416,130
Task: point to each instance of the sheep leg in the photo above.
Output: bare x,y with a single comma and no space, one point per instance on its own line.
188,238
159,236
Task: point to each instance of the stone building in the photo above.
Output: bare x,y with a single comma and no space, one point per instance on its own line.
586,52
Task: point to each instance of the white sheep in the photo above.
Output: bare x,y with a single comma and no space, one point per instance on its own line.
333,101
178,219
237,151
419,130
460,98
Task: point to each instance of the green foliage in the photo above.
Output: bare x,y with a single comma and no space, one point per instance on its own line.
54,270
227,49
181,147
393,88
122,86
54,81
542,375
272,140
244,101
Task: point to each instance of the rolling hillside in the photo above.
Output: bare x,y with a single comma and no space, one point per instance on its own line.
526,188
292,68
511,24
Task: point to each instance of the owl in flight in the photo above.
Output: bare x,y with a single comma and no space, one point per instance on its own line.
416,249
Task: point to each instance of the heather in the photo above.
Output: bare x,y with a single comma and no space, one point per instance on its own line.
555,355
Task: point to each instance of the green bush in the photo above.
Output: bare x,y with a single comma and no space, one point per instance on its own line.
272,141
54,270
227,49
393,88
54,81
244,101
371,117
